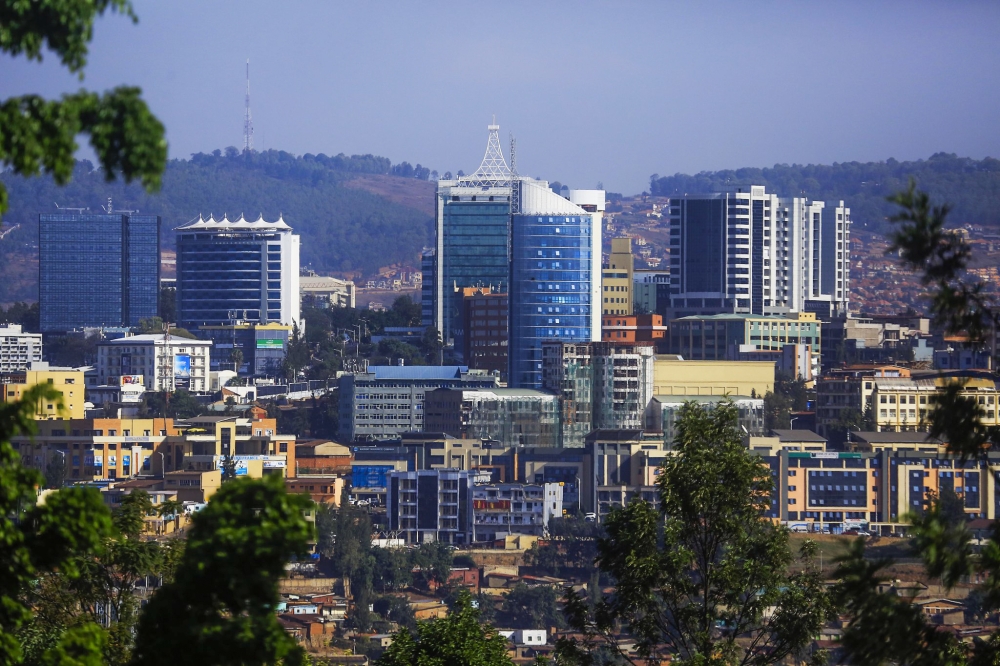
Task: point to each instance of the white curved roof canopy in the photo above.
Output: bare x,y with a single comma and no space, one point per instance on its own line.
211,224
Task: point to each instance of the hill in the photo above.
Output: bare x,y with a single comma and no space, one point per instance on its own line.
355,214
971,186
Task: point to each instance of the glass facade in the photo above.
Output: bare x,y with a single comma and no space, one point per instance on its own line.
474,253
550,295
97,270
226,276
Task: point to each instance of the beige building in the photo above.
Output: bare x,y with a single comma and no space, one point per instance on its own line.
616,279
675,376
904,405
69,382
326,292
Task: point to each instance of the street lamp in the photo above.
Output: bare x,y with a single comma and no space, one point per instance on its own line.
791,422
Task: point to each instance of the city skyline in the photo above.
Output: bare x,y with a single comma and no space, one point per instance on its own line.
645,100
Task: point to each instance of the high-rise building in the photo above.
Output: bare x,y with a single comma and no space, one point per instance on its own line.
623,384
567,371
746,251
616,279
97,269
555,261
471,232
236,270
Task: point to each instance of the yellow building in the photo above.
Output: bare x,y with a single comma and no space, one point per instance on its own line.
676,376
68,381
904,404
616,279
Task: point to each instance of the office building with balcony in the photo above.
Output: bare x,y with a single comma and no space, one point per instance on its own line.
18,349
568,372
623,384
431,505
501,509
97,270
237,270
158,362
511,417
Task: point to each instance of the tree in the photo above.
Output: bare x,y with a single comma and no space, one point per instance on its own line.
706,576
531,608
219,609
884,628
236,358
170,509
40,135
456,640
168,304
38,538
55,471
431,345
432,564
297,354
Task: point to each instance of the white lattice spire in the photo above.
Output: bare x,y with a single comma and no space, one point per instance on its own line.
494,170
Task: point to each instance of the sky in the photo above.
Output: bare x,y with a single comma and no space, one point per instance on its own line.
594,92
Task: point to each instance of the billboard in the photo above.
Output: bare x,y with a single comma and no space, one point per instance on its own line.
182,371
125,380
491,505
264,343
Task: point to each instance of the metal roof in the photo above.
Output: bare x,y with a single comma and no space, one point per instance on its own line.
418,371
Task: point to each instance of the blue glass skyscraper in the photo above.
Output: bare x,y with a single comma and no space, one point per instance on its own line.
554,270
97,269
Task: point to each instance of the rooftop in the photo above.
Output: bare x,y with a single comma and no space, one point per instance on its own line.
225,224
418,371
894,438
798,436
155,338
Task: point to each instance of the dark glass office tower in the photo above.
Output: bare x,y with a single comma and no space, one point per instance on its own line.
97,269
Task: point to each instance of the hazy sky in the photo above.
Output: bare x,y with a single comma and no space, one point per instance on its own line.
593,91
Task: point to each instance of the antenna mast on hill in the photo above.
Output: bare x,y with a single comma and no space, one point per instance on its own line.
247,120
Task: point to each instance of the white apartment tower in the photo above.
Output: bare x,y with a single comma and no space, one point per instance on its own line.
744,250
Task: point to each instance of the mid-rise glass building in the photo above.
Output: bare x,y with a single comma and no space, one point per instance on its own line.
97,269
236,270
554,272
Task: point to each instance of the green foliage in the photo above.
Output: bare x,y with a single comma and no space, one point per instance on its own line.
970,184
23,314
179,405
433,563
39,538
960,306
456,640
531,608
38,135
219,609
572,550
789,396
706,575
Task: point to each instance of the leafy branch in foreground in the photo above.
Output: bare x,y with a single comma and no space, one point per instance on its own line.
37,538
885,628
962,306
38,135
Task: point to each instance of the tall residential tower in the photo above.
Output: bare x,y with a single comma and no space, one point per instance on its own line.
746,251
